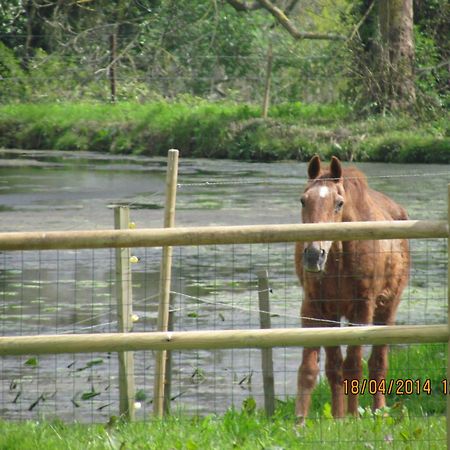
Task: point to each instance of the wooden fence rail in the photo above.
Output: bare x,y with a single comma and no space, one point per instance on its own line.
182,236
223,339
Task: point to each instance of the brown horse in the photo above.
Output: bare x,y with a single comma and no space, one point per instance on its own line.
359,280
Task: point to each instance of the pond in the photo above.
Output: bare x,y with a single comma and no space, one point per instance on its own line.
214,287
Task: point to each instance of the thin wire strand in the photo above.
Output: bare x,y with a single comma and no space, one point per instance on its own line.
271,183
97,316
256,311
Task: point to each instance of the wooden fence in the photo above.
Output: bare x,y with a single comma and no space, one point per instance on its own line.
223,235
264,338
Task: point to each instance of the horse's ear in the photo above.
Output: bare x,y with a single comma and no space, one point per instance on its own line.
336,168
314,167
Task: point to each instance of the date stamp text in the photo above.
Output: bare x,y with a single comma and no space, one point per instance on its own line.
399,386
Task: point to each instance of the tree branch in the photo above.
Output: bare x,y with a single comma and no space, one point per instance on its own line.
284,21
363,19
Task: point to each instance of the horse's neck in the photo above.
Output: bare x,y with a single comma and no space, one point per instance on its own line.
354,215
357,211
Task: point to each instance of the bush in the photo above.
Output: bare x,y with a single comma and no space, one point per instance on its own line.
13,80
223,130
410,149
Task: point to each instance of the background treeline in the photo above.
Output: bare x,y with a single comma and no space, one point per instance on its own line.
55,50
226,53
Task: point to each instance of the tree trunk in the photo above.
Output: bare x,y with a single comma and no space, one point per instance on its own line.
396,53
30,11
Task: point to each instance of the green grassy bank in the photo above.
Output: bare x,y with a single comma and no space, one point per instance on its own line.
224,130
411,421
234,430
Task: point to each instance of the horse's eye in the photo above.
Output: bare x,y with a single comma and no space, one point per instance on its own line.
339,205
302,201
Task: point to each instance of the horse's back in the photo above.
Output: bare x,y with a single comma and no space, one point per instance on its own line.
390,209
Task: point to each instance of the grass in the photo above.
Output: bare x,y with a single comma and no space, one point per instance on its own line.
405,363
410,422
224,130
234,430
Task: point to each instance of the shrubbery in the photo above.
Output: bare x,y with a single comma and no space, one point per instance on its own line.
224,130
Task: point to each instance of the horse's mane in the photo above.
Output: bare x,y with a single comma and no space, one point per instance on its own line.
357,188
354,179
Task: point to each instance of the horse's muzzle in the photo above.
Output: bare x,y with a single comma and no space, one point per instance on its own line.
314,258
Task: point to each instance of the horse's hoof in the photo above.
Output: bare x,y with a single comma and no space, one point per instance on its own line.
300,422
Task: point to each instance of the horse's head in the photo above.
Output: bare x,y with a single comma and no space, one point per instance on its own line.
322,201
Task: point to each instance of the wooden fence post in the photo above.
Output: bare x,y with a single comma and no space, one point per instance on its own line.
124,318
448,318
112,64
266,100
165,283
168,383
266,353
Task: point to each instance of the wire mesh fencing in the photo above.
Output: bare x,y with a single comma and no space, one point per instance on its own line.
213,288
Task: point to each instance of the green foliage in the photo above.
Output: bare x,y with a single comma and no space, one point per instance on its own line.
404,148
32,362
13,84
166,49
223,130
163,48
431,98
408,363
60,52
271,140
311,112
371,88
236,429
432,20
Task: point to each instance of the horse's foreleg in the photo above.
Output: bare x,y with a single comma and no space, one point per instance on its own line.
333,370
378,365
353,375
387,304
307,378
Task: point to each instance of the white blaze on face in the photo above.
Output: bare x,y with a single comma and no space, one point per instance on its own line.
326,245
324,191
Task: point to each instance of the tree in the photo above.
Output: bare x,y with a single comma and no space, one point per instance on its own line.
385,59
219,48
432,21
397,52
384,55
